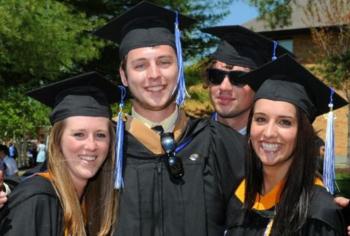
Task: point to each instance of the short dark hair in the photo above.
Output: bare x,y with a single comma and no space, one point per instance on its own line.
4,149
319,142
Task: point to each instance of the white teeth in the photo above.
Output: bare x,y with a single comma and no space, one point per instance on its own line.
155,88
88,158
270,147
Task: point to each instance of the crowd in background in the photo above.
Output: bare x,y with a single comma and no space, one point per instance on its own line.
15,157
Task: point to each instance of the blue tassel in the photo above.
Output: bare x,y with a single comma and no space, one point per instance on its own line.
328,165
275,43
118,171
181,86
214,116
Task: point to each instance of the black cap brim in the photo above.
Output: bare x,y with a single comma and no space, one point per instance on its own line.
88,94
48,94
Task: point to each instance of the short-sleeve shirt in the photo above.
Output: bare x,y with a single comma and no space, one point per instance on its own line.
2,165
11,166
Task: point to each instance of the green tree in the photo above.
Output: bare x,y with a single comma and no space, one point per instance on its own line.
20,116
275,12
206,12
45,40
333,41
40,41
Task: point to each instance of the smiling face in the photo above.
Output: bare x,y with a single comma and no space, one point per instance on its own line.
273,132
229,100
85,144
151,76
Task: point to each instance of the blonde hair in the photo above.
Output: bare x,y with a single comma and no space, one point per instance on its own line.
97,212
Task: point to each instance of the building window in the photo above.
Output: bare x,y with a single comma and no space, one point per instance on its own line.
287,44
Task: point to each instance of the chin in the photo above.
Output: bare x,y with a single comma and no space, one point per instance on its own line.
88,174
225,114
158,105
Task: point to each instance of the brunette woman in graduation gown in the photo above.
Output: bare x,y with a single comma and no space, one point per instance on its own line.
281,194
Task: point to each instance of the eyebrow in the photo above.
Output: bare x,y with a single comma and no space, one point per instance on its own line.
99,130
138,60
282,116
165,56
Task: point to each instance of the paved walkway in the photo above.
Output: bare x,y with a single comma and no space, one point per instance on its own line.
342,161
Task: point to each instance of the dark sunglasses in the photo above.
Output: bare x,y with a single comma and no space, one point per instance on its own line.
216,76
172,163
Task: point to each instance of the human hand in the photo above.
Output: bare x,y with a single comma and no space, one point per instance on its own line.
3,198
342,201
2,187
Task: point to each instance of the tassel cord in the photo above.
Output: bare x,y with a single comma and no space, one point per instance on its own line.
118,174
328,167
181,86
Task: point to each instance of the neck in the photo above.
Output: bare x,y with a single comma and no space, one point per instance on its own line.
272,176
237,123
155,116
80,187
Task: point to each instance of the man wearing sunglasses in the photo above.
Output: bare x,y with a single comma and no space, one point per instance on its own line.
240,51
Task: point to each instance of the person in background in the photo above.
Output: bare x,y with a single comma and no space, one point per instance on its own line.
339,198
232,97
281,193
9,164
320,146
240,51
41,152
31,155
75,196
12,151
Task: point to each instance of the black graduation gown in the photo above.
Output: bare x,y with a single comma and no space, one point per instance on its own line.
325,218
33,209
152,205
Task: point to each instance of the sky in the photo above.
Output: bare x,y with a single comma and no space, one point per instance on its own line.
241,12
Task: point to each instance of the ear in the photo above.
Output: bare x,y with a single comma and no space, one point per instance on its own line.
123,77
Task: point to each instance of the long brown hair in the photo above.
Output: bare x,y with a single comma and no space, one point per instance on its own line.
97,212
292,209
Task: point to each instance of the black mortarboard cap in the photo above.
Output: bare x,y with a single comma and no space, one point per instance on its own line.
88,94
286,80
144,25
243,47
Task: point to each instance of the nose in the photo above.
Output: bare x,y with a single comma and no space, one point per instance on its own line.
153,71
91,144
226,84
270,130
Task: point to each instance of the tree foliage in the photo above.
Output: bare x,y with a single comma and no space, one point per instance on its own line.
20,116
332,39
206,12
45,40
275,12
333,43
40,40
